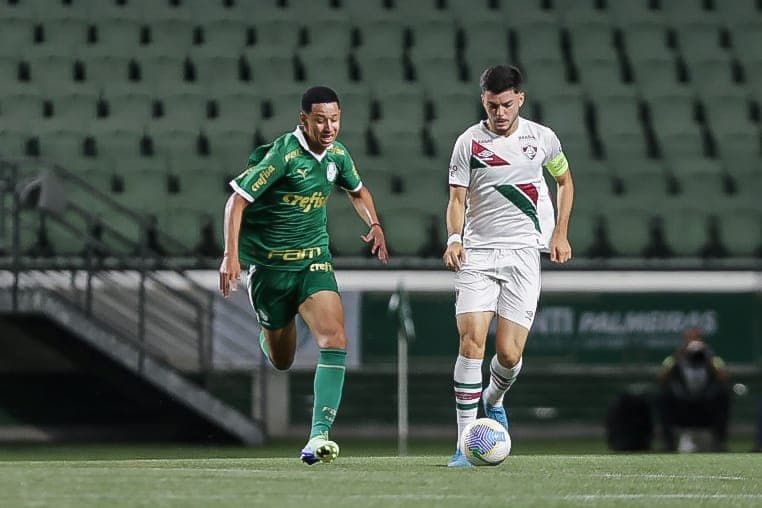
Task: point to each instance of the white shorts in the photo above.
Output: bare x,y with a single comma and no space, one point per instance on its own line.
505,281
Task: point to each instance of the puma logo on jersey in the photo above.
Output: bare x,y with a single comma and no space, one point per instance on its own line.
303,172
482,157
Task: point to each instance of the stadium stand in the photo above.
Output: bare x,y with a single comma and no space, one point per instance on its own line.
192,84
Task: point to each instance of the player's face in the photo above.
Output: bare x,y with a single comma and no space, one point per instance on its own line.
502,110
321,125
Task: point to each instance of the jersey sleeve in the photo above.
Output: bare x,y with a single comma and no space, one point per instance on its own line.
555,160
460,168
348,177
259,176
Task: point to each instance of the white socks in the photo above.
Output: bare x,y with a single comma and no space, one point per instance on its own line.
501,379
467,378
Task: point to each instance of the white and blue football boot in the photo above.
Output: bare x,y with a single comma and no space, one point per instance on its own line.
319,449
459,460
497,413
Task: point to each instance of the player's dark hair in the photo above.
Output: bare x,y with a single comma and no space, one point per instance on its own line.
318,95
500,78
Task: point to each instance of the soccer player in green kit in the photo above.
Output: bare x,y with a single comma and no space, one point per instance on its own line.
275,222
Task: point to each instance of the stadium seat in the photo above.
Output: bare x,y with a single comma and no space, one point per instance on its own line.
118,144
591,44
226,145
545,77
644,42
438,75
324,68
430,38
379,37
699,43
685,228
131,111
741,232
628,228
144,190
474,12
62,36
456,107
329,37
13,141
526,14
400,142
274,36
21,110
406,229
671,113
739,144
401,109
581,235
690,142
562,115
635,12
75,110
165,37
225,67
271,71
345,227
162,10
481,34
15,33
538,42
708,76
219,38
729,114
659,76
379,71
605,78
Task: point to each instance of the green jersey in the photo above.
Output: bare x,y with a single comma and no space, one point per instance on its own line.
287,186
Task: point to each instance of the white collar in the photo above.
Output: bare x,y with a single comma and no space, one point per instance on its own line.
303,141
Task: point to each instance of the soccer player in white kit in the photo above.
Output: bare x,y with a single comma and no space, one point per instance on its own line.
499,218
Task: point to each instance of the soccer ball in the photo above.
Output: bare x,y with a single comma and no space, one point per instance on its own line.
485,442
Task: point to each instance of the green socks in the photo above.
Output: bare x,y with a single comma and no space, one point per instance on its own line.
329,383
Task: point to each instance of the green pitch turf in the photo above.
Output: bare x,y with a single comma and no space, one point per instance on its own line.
174,476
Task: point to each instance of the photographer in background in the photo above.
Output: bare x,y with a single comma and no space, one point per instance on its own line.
694,392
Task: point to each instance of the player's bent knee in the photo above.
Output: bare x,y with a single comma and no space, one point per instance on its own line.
332,338
508,358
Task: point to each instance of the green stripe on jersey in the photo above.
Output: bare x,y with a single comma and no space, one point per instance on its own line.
522,202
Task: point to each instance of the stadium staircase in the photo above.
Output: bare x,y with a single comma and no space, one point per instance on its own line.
159,324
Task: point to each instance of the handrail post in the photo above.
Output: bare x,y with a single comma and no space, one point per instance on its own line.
400,306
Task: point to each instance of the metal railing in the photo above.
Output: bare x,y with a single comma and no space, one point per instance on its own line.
114,280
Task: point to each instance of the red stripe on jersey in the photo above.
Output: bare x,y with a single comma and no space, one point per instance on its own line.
530,190
486,155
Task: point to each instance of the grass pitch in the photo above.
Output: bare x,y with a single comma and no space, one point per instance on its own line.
93,476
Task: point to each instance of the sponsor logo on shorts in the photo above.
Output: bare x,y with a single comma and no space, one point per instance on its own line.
321,267
306,203
295,254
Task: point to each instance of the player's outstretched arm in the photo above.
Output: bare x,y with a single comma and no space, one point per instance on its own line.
362,200
455,255
230,269
560,249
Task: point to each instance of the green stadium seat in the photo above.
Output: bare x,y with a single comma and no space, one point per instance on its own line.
60,144
401,142
576,145
401,109
689,12
628,227
355,105
562,115
659,76
285,107
319,11
747,44
354,138
21,110
730,114
64,36
184,110
545,78
213,69
329,37
275,35
690,142
117,144
104,73
688,167
525,14
167,37
225,145
671,113
739,144
444,137
344,227
322,67
144,191
131,111
596,187
685,228
98,11
271,72
236,111
406,229
538,42
619,115
698,43
166,74
379,71
15,33
472,12
432,38
114,37
223,37
52,71
603,78
592,44
73,111
13,141
710,75
739,12
741,232
482,34
644,42
635,12
161,10
437,74
379,37
201,190
184,225
456,107
581,232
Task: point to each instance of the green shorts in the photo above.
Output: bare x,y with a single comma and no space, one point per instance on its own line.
277,294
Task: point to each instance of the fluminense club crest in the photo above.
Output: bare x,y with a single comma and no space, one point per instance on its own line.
530,151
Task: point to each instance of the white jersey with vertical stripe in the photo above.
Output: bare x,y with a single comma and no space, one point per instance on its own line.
507,204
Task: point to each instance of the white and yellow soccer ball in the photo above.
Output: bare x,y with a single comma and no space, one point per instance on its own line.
484,442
